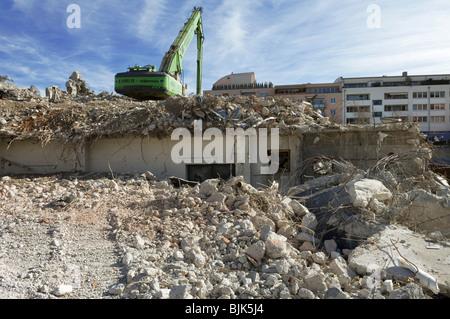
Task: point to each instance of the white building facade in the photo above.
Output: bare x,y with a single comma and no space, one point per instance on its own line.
424,99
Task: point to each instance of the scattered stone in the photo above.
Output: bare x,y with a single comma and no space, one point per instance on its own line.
330,245
209,187
336,293
410,291
315,281
305,293
127,259
319,257
62,290
309,222
116,289
257,250
179,292
276,246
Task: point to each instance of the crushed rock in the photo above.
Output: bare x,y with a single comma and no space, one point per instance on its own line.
137,237
134,239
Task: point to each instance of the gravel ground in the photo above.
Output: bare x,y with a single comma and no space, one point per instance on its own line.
134,237
42,248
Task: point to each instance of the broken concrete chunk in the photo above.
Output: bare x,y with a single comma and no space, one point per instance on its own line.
298,208
62,290
276,245
339,266
259,221
336,293
309,223
362,191
330,245
257,250
319,257
209,187
315,281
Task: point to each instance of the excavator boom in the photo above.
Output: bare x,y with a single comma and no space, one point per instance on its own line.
144,83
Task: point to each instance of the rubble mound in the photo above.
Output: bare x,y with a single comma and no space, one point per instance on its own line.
135,236
79,113
10,91
217,239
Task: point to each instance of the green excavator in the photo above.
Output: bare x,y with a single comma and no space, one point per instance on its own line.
145,83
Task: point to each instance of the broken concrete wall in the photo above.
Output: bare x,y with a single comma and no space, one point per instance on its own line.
132,154
32,157
362,147
138,153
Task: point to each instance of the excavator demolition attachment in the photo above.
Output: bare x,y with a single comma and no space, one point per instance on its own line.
145,83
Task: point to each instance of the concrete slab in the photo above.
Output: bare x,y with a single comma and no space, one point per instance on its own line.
378,254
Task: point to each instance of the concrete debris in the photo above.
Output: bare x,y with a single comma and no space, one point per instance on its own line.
177,244
76,86
336,236
78,113
11,92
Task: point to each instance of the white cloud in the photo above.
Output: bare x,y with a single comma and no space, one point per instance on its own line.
150,18
23,5
285,42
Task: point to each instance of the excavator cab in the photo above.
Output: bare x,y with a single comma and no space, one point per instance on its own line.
145,83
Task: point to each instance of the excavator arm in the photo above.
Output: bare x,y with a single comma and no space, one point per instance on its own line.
145,83
173,59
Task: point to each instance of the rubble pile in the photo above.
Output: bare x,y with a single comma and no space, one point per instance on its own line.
79,113
136,236
216,239
10,91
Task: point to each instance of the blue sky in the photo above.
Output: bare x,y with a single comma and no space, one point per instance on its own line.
282,41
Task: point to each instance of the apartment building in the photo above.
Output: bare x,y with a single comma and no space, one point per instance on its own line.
326,97
424,99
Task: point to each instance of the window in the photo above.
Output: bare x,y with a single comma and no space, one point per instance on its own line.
420,119
356,85
437,94
333,100
333,112
395,108
377,102
377,114
437,119
263,94
440,106
420,107
420,95
356,97
319,103
201,172
290,91
323,90
401,118
356,109
395,96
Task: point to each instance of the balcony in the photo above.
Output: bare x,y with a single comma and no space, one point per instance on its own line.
396,96
318,105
